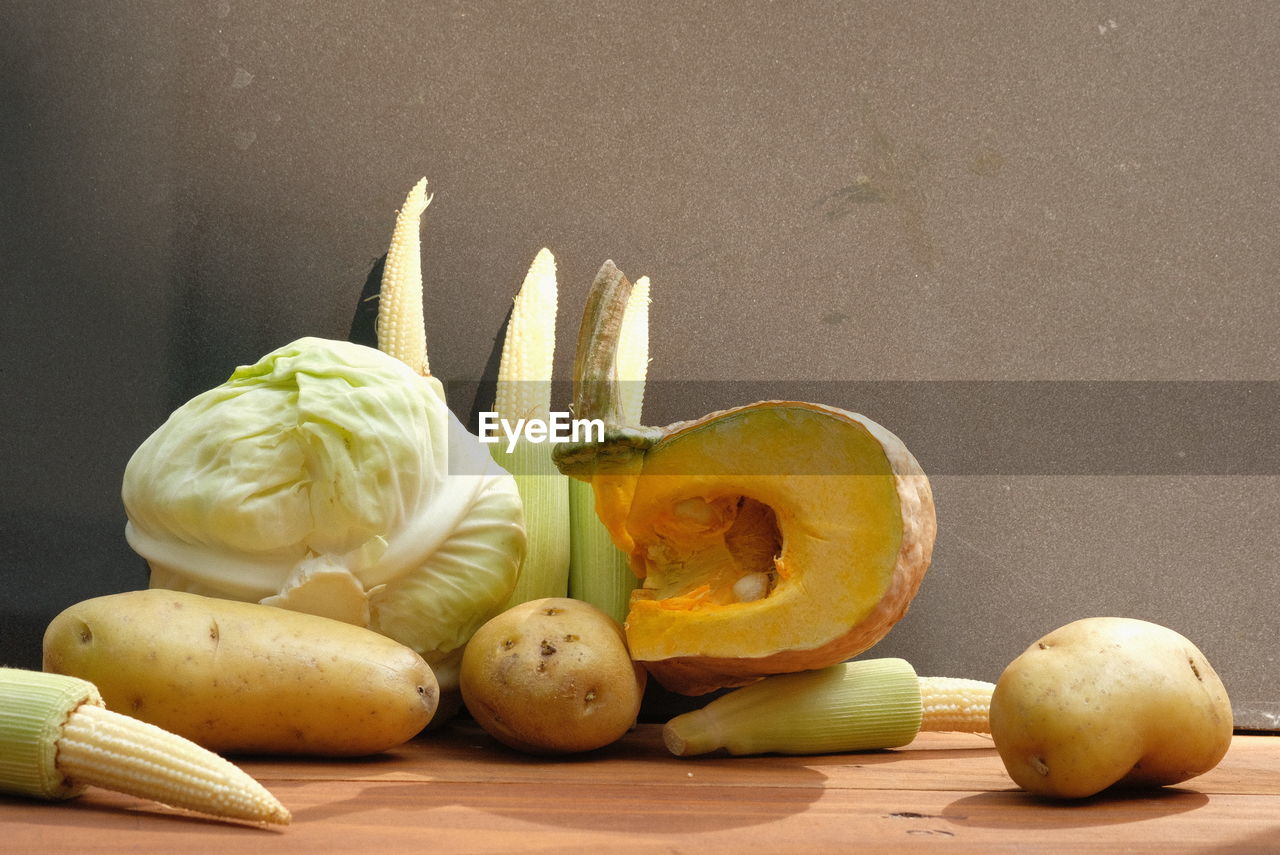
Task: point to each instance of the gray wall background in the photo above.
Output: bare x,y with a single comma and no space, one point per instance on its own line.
909,209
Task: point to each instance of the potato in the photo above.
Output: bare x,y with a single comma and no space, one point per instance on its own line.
242,677
1109,700
552,676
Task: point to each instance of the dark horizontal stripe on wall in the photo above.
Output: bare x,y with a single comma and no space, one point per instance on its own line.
1016,427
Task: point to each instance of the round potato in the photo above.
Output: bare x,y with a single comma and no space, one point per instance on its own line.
244,678
1109,700
552,676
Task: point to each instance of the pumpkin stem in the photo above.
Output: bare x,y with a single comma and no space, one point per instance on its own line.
596,393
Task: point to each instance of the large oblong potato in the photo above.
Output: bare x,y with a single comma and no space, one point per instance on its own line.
242,677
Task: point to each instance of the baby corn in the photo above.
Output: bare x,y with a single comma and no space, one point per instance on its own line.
854,706
955,704
524,392
57,739
401,327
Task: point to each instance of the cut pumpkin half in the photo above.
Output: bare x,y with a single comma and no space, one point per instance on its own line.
771,538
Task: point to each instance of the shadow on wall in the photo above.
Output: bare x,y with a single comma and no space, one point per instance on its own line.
91,557
364,322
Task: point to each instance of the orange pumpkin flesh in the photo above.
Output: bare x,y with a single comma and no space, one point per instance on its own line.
771,538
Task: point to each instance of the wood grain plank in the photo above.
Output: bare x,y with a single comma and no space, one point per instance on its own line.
450,817
956,761
456,792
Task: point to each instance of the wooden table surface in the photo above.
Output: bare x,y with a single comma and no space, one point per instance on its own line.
457,791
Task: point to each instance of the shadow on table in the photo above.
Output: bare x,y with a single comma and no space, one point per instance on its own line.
1016,809
631,786
104,811
621,807
634,785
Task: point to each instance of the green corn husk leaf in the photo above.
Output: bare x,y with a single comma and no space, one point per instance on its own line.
545,496
599,572
854,706
33,708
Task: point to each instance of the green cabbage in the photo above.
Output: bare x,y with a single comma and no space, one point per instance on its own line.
331,478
